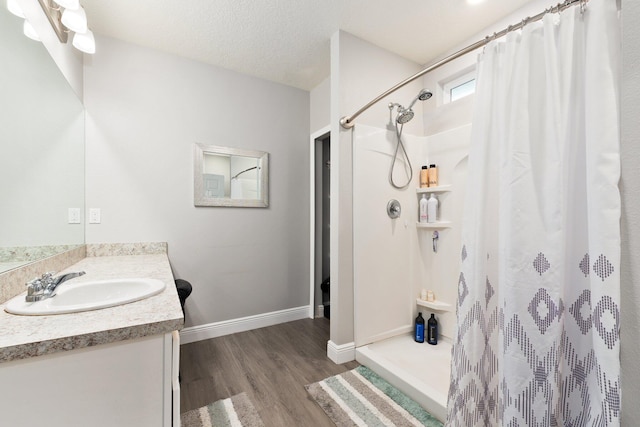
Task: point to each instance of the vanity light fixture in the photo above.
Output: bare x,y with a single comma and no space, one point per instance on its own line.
64,16
75,20
15,8
67,16
85,42
68,4
29,31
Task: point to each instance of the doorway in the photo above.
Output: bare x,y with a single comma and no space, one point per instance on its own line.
320,292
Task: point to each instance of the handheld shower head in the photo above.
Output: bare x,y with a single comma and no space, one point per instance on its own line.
404,116
422,96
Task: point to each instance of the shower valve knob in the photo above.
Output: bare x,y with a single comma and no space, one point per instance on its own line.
393,209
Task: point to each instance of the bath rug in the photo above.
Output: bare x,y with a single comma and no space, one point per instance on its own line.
361,398
236,411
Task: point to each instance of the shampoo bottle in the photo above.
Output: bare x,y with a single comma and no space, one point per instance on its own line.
424,177
432,208
418,330
433,176
424,207
432,330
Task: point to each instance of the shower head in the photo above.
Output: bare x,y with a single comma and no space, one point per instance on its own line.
406,114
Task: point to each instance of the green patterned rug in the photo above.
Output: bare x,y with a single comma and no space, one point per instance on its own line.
236,411
360,397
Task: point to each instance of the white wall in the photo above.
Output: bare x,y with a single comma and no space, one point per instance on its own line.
359,72
630,223
382,247
145,110
320,106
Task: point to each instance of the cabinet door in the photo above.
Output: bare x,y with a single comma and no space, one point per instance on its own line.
117,384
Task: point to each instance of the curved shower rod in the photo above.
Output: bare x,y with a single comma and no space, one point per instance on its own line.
347,122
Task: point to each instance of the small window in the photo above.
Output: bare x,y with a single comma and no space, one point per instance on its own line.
462,90
459,87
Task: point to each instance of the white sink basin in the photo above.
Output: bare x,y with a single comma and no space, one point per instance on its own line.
84,296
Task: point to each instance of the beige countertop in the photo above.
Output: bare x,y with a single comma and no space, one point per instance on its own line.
22,337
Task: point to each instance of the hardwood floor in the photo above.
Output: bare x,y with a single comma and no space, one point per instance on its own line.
272,365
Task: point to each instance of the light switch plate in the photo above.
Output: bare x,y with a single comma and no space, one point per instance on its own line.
74,215
94,216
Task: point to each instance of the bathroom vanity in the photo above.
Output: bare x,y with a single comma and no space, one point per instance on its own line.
115,366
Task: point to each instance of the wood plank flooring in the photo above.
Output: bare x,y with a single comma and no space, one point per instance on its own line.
272,365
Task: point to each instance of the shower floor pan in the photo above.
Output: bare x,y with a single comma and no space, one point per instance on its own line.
421,371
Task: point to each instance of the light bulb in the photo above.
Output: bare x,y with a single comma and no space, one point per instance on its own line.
75,20
15,8
85,42
68,4
29,31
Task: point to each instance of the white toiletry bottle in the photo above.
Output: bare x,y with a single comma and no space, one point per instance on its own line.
423,208
432,208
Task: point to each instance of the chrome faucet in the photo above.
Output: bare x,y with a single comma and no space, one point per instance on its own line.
45,286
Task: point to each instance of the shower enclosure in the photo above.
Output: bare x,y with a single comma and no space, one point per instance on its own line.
394,260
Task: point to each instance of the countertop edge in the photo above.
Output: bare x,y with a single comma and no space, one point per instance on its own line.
42,348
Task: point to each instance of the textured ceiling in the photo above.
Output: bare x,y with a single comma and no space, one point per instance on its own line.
287,41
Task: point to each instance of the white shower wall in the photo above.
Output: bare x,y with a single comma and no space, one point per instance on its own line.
381,245
393,260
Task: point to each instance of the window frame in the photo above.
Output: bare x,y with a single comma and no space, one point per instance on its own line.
447,86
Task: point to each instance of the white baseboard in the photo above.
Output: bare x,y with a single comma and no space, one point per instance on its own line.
228,327
319,311
342,353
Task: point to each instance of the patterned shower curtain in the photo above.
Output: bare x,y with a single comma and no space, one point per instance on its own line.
537,340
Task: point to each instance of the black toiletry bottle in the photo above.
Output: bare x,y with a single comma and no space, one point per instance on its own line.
418,329
432,330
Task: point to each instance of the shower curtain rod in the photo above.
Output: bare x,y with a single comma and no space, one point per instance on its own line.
347,122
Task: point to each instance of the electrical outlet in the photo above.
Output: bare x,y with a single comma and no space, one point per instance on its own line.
94,216
74,215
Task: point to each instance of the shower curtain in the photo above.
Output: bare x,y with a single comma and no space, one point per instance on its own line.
537,340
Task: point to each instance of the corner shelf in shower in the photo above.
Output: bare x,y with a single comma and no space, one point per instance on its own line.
439,225
433,225
434,305
438,189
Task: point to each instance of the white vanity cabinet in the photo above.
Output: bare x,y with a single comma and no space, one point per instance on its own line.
129,383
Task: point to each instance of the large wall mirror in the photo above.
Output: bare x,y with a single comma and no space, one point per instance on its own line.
41,151
225,176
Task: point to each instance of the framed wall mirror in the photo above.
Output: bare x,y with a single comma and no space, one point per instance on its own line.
226,176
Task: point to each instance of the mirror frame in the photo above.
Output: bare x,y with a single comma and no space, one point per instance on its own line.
199,198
